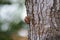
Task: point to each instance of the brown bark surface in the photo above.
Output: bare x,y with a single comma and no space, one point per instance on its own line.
44,19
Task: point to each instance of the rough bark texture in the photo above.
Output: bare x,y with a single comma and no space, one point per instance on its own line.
44,19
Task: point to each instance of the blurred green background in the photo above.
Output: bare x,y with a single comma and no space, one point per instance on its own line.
12,25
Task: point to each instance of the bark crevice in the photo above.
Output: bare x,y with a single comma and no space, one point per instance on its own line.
44,19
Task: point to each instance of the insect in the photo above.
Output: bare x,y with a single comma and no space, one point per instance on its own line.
27,19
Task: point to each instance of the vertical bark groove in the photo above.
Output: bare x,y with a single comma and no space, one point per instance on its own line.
44,19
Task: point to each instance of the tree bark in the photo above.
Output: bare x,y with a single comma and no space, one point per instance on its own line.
44,19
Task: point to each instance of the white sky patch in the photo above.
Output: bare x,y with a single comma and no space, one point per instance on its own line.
5,27
23,14
23,33
12,13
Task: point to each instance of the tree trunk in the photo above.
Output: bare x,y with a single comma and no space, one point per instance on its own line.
44,19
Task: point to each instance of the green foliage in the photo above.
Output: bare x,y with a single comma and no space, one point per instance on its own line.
14,28
4,2
4,36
